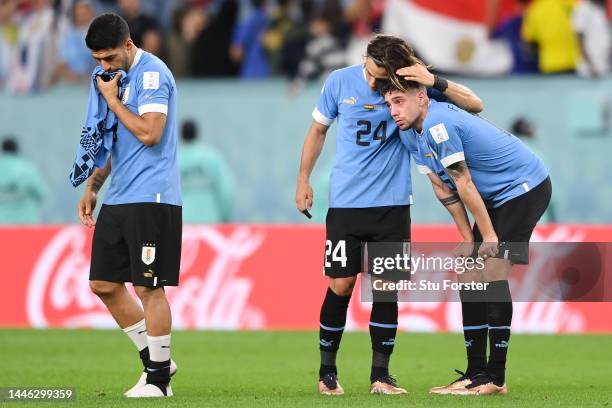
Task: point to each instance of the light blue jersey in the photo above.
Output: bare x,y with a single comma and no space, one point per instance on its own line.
371,168
502,167
142,174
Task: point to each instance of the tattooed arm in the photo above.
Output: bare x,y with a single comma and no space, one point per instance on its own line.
470,196
88,202
453,204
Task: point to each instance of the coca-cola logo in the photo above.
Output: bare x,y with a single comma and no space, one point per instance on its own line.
211,294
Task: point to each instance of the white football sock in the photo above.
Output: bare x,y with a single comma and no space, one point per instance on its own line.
138,334
159,347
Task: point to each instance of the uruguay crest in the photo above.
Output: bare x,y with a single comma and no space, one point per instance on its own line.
148,254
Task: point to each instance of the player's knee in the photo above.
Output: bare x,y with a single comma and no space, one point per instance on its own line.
342,286
145,293
103,288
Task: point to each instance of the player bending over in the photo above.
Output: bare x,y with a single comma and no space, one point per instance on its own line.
475,165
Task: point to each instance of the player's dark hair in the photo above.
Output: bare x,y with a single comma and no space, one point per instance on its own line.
189,131
391,53
107,31
9,145
384,86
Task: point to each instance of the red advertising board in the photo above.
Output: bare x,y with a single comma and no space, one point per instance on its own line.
247,277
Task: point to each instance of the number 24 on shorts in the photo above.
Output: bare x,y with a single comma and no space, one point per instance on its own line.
338,254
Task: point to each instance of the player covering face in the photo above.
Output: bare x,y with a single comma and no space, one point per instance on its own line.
366,203
475,165
137,234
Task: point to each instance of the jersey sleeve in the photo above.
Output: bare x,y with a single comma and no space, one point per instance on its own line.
327,108
421,167
154,88
445,142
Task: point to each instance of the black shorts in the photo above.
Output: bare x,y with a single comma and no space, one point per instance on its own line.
514,222
348,228
138,243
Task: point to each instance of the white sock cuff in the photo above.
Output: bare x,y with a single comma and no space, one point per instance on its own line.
135,326
159,347
159,338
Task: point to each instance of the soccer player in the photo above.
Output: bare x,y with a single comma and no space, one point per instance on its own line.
370,198
475,165
137,235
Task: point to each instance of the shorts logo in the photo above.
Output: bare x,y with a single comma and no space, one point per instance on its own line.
439,133
148,254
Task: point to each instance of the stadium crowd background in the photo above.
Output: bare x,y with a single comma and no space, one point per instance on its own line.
244,69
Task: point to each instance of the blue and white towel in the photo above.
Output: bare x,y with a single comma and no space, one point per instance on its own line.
98,131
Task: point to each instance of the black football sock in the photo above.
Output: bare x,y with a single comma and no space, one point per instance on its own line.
499,312
144,357
331,327
475,329
158,374
383,329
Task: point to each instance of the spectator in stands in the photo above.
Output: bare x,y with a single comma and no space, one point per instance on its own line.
8,35
296,38
75,58
524,55
547,23
206,182
138,21
153,42
33,61
210,54
247,48
22,189
591,25
161,11
324,53
187,24
274,36
365,18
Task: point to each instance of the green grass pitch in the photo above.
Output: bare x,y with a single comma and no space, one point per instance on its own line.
279,369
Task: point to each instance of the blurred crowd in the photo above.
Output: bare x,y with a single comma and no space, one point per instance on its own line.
42,41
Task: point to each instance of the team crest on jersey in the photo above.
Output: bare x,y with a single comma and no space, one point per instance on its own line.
148,254
439,133
350,101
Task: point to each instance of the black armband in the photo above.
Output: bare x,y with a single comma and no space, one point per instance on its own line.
440,83
450,200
